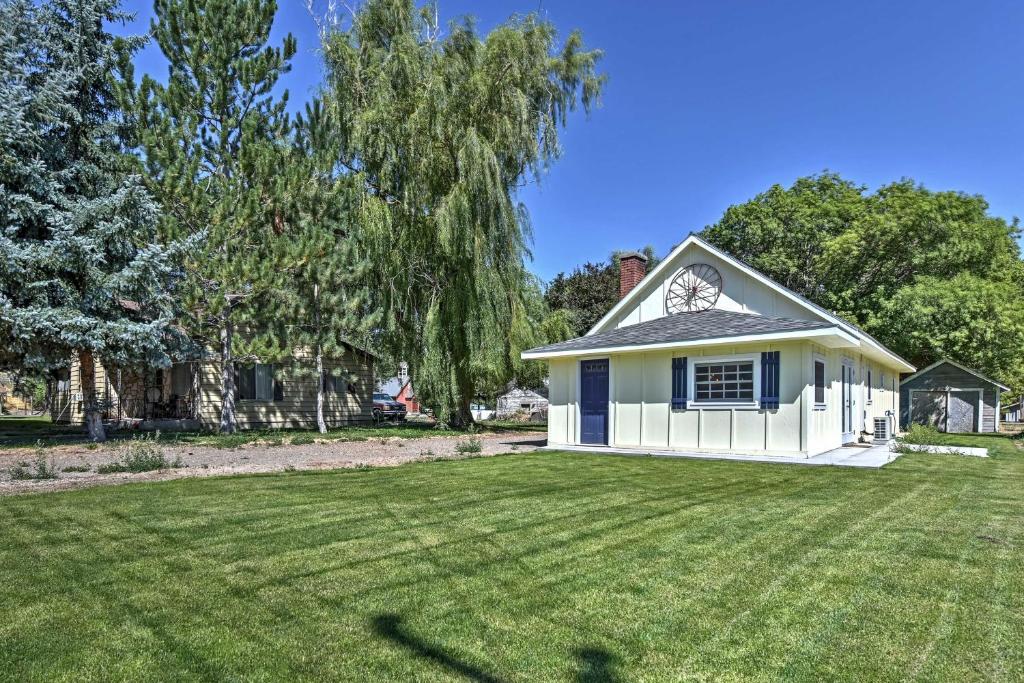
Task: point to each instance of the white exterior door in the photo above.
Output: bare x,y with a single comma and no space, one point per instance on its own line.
849,403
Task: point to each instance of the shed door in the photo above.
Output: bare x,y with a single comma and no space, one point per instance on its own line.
594,401
928,408
963,410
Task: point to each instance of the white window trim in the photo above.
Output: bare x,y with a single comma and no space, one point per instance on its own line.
819,358
691,381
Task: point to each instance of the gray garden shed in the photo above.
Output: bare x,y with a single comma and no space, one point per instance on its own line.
952,398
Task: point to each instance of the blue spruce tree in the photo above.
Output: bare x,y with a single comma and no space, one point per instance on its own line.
81,273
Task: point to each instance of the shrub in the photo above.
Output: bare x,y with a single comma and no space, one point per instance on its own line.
470,445
302,439
21,471
140,455
43,468
77,468
917,435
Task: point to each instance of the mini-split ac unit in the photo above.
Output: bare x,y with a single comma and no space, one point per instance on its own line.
883,429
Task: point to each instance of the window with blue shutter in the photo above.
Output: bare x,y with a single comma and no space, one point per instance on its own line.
678,383
770,380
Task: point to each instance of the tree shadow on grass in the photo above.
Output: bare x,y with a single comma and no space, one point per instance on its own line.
390,626
597,665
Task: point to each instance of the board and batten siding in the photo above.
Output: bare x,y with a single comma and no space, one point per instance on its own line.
640,412
948,377
297,407
825,423
641,416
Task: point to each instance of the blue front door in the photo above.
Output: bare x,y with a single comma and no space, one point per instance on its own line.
594,401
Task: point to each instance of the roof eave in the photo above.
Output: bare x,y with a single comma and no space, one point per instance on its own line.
834,337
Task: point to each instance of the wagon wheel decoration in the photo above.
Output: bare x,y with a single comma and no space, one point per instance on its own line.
695,288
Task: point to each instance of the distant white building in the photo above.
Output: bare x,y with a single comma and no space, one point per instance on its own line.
520,401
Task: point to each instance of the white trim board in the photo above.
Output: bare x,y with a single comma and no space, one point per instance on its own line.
768,337
693,239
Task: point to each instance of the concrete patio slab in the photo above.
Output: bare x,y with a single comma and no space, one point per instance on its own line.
848,456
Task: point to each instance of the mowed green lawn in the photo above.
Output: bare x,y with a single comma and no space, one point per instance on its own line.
526,567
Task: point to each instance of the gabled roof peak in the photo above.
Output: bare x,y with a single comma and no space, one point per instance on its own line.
818,311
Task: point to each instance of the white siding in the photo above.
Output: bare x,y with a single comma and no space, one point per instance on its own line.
740,292
561,401
825,425
641,393
640,413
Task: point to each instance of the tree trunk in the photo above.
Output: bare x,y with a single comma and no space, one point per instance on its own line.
462,416
320,424
93,419
227,380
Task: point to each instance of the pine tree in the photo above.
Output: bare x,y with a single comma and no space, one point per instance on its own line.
321,302
80,271
214,140
440,131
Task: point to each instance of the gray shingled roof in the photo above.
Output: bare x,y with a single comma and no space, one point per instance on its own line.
683,327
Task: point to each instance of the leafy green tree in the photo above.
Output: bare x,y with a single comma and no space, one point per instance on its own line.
784,232
321,303
908,232
215,141
590,291
538,327
440,131
80,271
976,321
931,274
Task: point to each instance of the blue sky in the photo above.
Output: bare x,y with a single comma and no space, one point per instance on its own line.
710,102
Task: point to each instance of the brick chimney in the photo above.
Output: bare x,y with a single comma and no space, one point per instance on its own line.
632,268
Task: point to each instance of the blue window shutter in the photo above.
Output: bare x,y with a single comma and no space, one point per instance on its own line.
678,383
770,380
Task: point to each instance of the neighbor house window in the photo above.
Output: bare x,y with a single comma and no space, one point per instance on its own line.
256,382
333,384
819,382
724,381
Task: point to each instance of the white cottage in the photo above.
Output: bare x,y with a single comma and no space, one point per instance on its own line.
705,354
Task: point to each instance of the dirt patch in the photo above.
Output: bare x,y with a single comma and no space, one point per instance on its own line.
203,461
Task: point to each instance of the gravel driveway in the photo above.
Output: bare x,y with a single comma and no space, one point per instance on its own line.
204,461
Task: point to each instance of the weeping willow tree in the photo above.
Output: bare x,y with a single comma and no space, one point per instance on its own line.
439,128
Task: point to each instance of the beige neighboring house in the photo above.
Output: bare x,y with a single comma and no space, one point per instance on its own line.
706,354
187,395
8,400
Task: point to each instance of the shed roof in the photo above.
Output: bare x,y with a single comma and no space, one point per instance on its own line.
946,361
518,393
683,327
